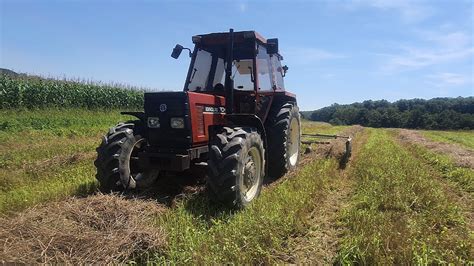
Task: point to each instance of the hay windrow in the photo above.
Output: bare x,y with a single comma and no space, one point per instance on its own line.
462,157
97,229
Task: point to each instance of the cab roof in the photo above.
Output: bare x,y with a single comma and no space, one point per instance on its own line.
240,37
221,37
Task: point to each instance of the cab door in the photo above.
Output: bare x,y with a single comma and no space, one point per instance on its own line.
265,86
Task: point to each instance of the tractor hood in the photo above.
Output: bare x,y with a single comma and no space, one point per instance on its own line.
161,109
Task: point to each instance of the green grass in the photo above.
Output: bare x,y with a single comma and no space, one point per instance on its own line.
399,213
57,122
37,148
198,233
464,177
34,168
75,180
47,154
464,138
310,127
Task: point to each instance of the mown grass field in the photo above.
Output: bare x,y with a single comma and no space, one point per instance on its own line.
402,206
47,154
463,138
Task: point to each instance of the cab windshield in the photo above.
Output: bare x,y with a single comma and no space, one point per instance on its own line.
207,72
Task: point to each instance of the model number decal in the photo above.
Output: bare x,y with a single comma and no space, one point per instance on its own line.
214,110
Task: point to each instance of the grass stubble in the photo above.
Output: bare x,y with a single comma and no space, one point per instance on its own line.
397,214
193,230
199,232
47,154
464,138
319,242
400,213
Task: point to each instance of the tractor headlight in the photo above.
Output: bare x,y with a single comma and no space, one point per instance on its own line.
177,122
153,122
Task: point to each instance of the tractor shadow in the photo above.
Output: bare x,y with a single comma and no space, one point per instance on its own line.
170,188
187,190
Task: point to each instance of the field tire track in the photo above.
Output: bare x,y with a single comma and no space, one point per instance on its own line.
320,243
461,156
462,198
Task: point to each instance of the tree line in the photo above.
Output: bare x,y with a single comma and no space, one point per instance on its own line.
437,113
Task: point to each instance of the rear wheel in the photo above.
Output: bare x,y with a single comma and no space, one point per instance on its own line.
117,162
284,136
236,166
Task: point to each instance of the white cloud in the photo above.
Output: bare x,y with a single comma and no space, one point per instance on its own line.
449,40
433,48
417,58
448,79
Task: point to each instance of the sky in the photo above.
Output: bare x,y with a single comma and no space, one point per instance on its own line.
336,51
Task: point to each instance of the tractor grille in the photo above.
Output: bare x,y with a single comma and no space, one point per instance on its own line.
166,105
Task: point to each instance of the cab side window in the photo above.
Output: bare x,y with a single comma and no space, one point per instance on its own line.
277,72
242,74
264,69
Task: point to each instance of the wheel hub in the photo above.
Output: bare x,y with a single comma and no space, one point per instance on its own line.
249,174
139,177
293,142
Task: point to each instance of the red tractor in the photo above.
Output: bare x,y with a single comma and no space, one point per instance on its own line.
233,114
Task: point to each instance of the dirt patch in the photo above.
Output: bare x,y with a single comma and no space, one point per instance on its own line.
461,156
99,229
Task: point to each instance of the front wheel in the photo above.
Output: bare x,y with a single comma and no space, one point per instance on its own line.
236,166
117,162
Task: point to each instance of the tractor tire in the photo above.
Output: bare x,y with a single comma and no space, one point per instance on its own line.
284,137
236,166
116,160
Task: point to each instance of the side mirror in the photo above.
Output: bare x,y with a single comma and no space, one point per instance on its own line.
285,69
177,51
272,46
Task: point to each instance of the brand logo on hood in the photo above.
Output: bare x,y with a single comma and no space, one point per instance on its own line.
163,107
214,109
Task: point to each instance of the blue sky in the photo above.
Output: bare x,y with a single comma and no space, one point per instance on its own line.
337,51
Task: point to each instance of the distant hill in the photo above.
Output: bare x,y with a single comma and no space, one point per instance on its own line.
8,72
437,113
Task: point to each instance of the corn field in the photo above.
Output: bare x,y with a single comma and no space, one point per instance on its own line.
35,92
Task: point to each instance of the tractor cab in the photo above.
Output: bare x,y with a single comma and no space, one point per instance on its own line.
254,71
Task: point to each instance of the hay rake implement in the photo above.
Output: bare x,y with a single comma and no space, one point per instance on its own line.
319,139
